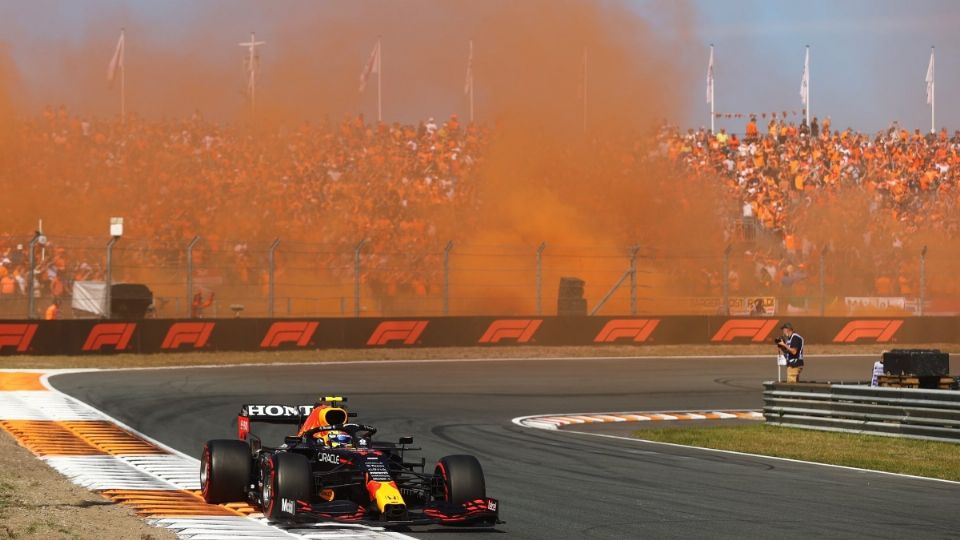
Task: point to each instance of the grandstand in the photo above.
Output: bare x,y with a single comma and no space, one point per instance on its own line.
394,206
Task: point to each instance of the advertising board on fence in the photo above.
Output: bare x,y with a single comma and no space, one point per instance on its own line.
880,304
72,337
738,305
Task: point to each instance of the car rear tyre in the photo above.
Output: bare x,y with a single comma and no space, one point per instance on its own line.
225,471
286,479
459,479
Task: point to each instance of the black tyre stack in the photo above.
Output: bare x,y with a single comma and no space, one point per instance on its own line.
570,300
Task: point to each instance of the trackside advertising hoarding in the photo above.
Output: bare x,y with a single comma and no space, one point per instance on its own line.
75,337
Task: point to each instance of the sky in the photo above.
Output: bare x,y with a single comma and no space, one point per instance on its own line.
868,57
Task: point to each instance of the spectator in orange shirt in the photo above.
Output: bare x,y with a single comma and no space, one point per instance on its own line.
53,311
752,132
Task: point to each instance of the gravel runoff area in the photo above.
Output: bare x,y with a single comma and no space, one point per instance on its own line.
339,355
36,502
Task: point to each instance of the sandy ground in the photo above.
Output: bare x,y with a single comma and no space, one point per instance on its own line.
220,358
36,502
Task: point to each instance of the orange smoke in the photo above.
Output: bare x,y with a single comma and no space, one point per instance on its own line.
589,194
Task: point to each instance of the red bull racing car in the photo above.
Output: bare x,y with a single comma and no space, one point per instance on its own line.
333,470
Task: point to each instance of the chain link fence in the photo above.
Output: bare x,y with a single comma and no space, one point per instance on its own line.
213,277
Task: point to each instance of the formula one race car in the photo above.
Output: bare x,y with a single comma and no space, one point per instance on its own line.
333,470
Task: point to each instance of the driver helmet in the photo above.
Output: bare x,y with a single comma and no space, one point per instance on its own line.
338,438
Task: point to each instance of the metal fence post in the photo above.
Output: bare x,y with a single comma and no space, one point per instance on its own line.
272,284
540,248
190,247
725,310
108,278
32,275
923,278
356,278
823,281
446,278
634,251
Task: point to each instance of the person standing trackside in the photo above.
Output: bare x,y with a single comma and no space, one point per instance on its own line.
791,345
878,372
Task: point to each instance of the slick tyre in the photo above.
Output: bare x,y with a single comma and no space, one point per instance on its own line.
286,480
225,471
459,479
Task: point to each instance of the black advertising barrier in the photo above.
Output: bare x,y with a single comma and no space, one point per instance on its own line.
74,337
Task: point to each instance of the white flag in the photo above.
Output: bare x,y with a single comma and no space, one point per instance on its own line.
372,66
710,77
468,83
117,61
930,83
805,81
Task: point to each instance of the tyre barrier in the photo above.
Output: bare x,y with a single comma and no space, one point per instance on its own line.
895,412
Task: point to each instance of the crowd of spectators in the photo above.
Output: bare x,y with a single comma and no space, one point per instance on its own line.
812,188
320,187
323,187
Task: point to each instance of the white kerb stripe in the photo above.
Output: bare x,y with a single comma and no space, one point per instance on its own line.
42,405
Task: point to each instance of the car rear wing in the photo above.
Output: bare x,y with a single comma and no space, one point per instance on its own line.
293,415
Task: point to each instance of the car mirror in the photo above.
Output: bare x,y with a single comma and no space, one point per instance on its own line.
406,440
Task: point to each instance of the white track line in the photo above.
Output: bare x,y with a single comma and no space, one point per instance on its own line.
440,361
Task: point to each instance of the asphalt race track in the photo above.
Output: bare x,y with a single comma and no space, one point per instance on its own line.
555,484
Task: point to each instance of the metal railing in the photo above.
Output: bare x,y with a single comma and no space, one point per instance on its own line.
897,412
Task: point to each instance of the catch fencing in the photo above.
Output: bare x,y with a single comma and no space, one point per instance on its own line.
901,412
369,278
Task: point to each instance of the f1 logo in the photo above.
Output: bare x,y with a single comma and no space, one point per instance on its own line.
521,330
881,331
17,335
298,332
406,331
116,334
756,329
637,330
182,333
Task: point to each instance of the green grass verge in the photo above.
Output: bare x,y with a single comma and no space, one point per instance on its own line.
905,456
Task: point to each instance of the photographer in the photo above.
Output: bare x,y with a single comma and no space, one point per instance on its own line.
791,346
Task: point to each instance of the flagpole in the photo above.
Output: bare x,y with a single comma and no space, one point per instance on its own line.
933,94
471,81
123,79
379,81
253,75
713,127
808,85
